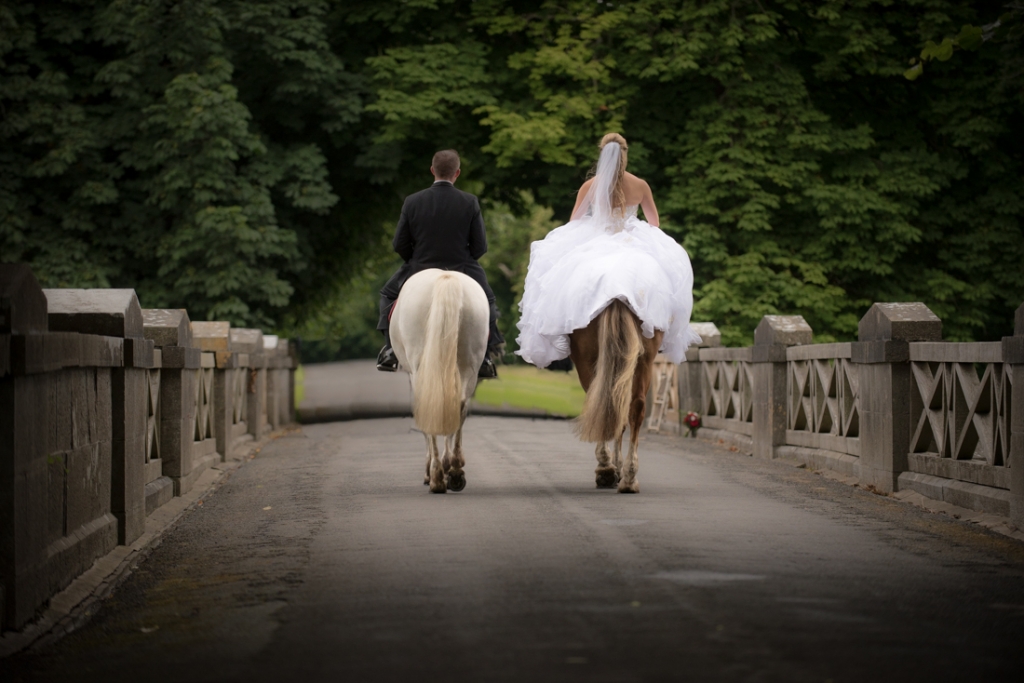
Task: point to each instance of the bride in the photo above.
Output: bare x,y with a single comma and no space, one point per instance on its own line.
605,253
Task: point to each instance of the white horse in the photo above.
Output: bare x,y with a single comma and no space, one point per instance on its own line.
439,333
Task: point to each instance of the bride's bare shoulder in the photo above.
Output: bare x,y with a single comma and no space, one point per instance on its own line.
634,181
636,188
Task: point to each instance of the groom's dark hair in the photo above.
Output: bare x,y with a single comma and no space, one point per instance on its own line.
445,163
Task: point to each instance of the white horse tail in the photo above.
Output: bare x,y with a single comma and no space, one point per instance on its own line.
437,388
606,408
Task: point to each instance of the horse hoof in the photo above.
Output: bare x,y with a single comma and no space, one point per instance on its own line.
632,487
426,481
456,481
439,489
606,478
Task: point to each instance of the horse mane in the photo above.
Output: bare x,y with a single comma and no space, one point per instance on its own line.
606,408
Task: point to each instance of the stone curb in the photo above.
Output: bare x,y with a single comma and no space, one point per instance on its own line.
75,605
372,411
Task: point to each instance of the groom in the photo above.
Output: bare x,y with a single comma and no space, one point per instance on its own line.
440,227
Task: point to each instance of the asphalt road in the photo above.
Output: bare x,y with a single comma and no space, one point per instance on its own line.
325,559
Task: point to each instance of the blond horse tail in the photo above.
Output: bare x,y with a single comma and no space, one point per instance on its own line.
606,408
437,389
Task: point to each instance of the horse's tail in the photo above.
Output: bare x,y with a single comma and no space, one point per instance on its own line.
606,408
437,390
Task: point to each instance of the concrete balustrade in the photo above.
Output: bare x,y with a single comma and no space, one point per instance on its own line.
107,411
899,409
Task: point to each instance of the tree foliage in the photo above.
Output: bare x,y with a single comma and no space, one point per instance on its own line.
247,159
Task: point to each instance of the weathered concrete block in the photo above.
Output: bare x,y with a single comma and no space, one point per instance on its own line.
158,492
22,302
256,416
783,330
709,334
927,485
880,351
246,340
229,359
212,336
908,322
769,410
885,423
53,512
128,503
182,357
224,408
177,427
138,353
1016,464
5,361
1013,350
88,484
97,351
56,483
167,326
107,312
977,497
689,378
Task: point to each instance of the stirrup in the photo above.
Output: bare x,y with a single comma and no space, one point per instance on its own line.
487,370
387,361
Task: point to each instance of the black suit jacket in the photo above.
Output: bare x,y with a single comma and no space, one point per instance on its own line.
440,227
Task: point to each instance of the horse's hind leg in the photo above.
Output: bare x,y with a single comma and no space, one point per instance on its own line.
435,471
454,460
628,482
426,475
637,409
607,472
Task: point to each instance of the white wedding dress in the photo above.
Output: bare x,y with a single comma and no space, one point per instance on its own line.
579,268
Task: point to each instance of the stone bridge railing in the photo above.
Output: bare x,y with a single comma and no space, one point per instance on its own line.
107,411
898,409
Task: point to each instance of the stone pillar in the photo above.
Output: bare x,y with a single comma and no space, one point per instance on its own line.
278,363
1013,353
27,442
883,350
771,338
690,399
295,354
248,343
215,338
171,331
116,313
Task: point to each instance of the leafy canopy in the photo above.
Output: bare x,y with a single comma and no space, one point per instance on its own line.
248,159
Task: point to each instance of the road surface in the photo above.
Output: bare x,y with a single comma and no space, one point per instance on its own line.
324,558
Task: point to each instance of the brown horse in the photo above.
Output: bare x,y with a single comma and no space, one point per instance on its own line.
614,362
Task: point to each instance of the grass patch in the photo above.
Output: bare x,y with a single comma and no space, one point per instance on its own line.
524,386
300,385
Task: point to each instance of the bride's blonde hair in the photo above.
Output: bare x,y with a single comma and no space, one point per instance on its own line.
618,193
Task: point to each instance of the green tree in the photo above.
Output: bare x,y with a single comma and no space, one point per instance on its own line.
129,158
799,168
248,159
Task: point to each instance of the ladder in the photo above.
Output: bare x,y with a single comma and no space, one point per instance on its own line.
665,392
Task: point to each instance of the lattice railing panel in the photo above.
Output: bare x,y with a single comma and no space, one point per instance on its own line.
152,414
240,393
961,411
824,396
728,390
204,404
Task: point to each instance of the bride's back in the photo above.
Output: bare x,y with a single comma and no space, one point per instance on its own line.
633,189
